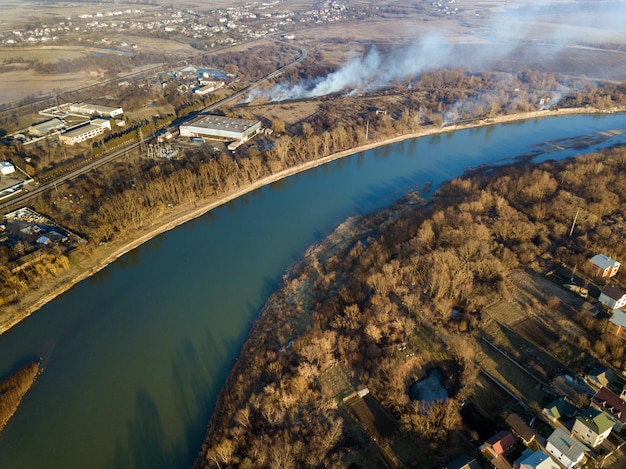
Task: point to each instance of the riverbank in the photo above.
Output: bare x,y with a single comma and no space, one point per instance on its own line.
85,265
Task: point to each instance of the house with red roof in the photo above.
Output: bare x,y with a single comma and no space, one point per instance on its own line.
499,443
612,404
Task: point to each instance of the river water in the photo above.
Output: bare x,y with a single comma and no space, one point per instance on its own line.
134,357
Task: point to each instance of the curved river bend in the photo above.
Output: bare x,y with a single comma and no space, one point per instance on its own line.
134,357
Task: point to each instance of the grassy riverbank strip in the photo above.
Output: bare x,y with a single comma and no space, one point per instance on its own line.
84,266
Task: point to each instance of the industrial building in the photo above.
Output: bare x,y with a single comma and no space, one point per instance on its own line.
45,127
6,167
208,87
82,133
223,128
86,109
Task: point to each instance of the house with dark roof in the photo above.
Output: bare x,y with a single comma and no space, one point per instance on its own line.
592,426
519,428
613,297
600,377
612,404
565,448
559,409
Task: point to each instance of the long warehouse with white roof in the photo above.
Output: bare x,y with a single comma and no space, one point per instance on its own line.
225,128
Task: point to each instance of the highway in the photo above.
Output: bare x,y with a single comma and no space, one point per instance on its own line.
33,190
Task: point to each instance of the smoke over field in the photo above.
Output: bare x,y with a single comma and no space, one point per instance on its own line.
537,33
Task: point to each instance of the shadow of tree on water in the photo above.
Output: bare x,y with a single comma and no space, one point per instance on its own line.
145,431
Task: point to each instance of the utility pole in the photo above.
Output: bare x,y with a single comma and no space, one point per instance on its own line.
367,130
574,223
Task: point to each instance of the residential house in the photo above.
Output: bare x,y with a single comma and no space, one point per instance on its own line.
605,266
617,323
593,426
612,404
519,428
565,448
500,443
600,377
559,409
536,460
613,297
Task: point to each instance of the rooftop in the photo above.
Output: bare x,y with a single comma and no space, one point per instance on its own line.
539,460
619,318
559,408
80,130
611,403
566,444
613,292
223,123
604,262
519,426
596,420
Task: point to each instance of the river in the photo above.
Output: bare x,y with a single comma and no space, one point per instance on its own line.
134,356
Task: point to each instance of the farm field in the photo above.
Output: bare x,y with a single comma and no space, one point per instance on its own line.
516,380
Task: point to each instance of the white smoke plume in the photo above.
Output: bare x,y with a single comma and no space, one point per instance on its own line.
534,31
365,73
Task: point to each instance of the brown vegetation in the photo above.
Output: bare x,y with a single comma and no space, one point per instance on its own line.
13,389
413,276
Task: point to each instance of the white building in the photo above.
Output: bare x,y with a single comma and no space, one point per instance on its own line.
86,109
80,134
605,266
225,128
208,87
6,167
613,297
592,427
565,448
